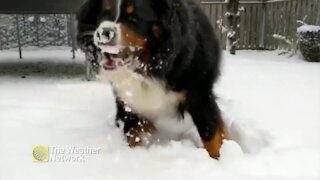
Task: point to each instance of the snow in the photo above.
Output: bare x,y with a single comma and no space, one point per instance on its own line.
31,18
308,28
43,19
270,103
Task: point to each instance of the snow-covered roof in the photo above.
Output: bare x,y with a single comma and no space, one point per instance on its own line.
308,28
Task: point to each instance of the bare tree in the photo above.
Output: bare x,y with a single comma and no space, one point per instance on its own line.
232,17
231,25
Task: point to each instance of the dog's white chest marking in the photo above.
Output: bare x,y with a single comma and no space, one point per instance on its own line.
146,96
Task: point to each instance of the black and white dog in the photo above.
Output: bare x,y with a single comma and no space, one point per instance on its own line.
162,58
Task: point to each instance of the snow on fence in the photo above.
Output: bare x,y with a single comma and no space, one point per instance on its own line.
40,30
261,19
35,30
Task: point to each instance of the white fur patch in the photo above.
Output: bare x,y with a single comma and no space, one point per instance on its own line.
150,98
146,96
115,35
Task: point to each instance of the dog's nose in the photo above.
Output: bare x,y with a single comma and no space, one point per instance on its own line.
108,34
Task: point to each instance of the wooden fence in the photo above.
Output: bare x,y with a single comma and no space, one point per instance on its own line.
261,19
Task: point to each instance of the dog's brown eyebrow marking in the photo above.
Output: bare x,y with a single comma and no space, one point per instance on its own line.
108,6
130,8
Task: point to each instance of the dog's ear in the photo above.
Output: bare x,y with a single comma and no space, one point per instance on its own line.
175,17
87,20
177,25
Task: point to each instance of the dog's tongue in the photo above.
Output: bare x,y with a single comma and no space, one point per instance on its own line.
109,64
110,49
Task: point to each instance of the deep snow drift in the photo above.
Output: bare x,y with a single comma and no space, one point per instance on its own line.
271,104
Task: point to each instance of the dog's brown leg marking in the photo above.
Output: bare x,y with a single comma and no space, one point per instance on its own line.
140,133
213,146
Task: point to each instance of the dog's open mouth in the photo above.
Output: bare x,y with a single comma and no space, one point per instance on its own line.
111,61
113,58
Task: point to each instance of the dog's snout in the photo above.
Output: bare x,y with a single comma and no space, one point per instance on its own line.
108,33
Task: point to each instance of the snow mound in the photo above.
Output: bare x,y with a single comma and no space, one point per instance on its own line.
308,28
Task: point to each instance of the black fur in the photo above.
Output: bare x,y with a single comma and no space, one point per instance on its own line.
130,120
188,50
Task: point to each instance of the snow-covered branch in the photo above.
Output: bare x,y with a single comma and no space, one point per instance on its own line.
283,38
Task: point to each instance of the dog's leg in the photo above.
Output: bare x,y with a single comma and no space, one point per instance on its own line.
139,134
137,130
206,116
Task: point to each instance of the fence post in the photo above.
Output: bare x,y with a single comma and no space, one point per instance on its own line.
262,30
18,36
318,16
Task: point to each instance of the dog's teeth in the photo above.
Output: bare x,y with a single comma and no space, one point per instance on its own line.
110,49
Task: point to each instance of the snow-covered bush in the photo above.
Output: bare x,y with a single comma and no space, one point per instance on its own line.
309,42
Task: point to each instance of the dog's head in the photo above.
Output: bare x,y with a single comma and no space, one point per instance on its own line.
131,31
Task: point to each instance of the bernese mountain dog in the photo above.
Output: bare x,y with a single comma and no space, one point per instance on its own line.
162,58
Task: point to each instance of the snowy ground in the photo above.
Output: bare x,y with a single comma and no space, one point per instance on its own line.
271,104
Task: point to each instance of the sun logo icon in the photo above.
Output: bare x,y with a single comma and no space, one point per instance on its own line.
40,153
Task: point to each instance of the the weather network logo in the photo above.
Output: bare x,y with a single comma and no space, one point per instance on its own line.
40,153
45,153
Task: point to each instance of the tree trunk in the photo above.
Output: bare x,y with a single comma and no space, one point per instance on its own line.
232,18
